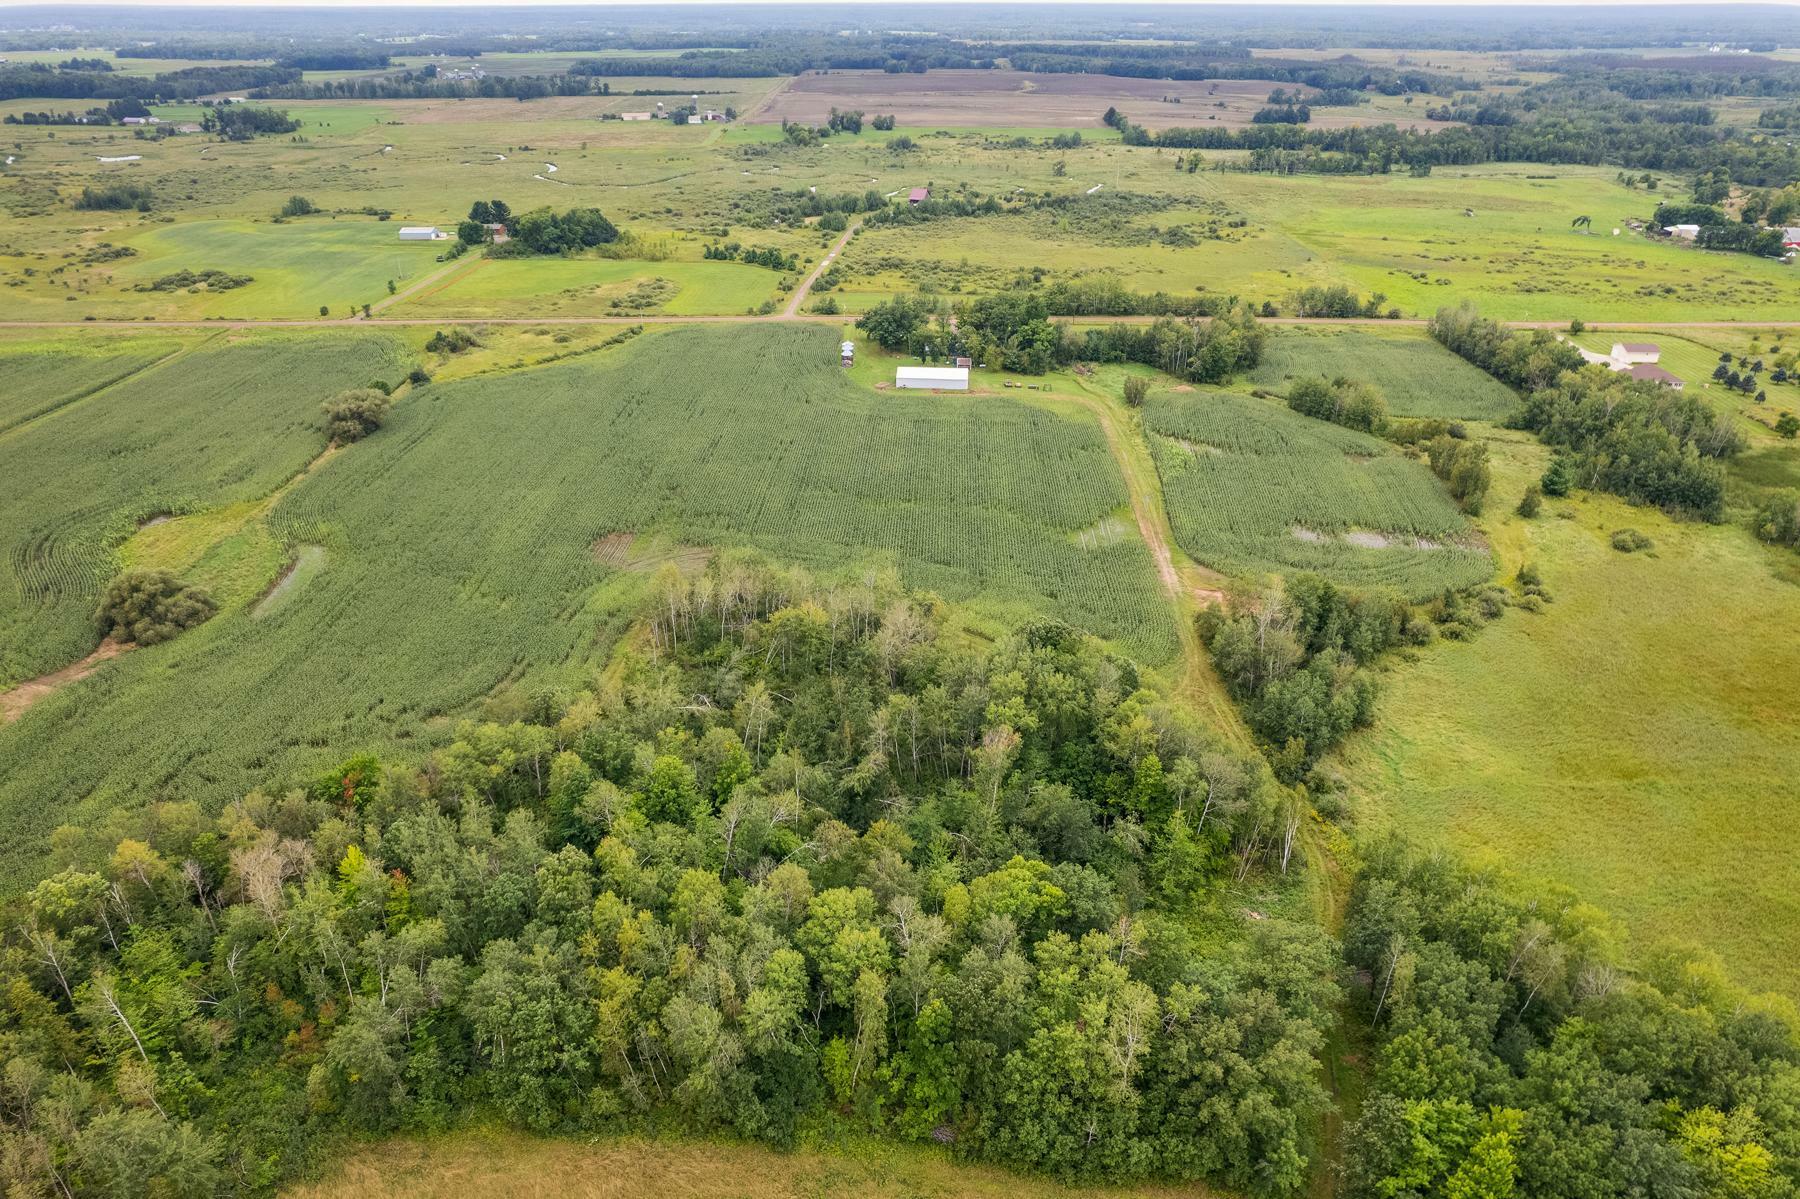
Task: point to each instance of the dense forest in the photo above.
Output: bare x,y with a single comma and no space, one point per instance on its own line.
1518,1053
802,859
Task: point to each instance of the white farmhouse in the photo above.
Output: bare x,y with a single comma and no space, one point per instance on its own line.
933,378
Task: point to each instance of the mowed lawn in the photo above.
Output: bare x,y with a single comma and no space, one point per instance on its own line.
503,1164
1637,741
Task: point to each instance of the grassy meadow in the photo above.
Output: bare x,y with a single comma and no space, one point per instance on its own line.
470,545
492,1165
1499,235
1635,741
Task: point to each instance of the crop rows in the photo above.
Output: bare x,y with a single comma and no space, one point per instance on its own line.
214,424
1252,487
1417,376
460,551
36,379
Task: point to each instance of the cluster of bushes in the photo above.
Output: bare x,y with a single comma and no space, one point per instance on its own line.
353,415
1463,466
453,341
115,197
1348,402
767,256
1297,662
885,880
1630,541
1283,114
1104,295
148,606
298,206
186,280
1518,1054
241,122
1210,351
1337,300
1777,518
1647,443
543,231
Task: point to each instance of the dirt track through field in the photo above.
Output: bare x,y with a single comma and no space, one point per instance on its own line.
13,703
800,293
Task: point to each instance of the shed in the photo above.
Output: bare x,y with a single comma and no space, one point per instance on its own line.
1644,372
1685,232
422,233
634,116
1632,352
933,378
918,195
1790,236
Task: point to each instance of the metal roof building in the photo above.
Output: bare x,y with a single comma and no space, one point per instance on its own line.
933,378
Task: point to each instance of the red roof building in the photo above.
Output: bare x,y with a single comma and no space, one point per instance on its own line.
917,194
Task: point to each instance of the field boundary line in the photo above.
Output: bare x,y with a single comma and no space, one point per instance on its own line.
22,426
744,318
427,281
96,389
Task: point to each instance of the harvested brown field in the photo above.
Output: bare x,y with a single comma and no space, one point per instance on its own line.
976,99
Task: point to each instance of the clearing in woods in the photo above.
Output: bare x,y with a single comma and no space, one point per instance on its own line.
489,1164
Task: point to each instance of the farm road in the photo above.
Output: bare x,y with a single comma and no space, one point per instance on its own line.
837,247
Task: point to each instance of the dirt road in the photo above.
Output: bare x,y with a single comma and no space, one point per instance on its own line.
799,297
14,702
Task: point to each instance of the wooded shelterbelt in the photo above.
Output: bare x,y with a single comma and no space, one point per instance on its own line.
803,861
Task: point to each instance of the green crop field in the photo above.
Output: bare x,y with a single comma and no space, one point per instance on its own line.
594,287
1636,741
461,540
1253,487
39,378
212,423
1417,376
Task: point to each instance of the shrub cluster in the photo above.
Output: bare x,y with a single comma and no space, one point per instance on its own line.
148,606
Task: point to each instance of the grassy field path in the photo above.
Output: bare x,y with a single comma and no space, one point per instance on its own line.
1187,584
800,293
14,702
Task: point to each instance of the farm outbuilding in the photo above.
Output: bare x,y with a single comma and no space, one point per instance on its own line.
422,233
933,378
1633,352
918,195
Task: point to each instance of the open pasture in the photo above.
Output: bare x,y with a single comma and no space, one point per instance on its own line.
1498,235
1417,376
1253,487
214,421
1636,741
593,287
460,549
1006,99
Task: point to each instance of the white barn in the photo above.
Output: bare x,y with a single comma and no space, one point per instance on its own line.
933,378
422,233
1632,353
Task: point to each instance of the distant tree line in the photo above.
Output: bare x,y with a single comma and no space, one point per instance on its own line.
189,83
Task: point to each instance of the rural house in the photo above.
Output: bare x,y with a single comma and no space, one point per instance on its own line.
1645,372
1632,352
918,195
933,378
422,233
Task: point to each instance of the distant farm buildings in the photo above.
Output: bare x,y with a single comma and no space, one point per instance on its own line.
1684,232
1646,372
918,195
423,233
1633,352
634,116
933,378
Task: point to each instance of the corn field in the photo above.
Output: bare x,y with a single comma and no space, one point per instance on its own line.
470,544
1415,375
1252,486
211,424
